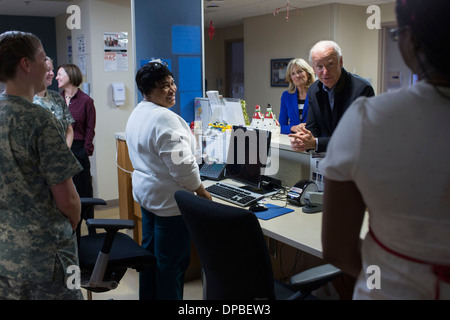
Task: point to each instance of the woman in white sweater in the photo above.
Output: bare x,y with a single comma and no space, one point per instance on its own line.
161,148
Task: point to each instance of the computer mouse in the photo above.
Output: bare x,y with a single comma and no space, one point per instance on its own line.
258,207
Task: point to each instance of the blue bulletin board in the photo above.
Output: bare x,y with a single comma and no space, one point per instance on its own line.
170,30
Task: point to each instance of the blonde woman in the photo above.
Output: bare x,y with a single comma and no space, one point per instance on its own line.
294,101
54,102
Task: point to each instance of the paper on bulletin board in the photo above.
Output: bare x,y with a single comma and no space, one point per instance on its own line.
81,45
69,49
202,111
215,105
232,112
216,113
228,110
116,61
115,51
81,63
216,144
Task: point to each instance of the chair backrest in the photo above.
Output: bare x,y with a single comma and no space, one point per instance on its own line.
231,247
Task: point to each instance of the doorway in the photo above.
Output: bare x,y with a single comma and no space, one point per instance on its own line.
234,69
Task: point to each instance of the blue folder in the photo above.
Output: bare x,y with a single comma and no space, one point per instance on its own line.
272,212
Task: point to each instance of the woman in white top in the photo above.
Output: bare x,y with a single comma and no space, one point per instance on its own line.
391,154
161,148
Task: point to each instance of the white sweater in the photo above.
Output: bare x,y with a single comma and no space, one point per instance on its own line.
161,148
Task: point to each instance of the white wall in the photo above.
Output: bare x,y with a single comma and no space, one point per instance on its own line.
97,17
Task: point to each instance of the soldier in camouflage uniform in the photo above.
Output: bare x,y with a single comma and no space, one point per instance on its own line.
54,102
39,205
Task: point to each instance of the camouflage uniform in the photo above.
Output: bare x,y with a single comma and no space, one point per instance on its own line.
37,242
54,102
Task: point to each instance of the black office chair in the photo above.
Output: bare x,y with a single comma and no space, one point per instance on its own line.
105,257
234,254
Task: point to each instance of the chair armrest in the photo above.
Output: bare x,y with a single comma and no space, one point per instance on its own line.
110,224
92,202
312,279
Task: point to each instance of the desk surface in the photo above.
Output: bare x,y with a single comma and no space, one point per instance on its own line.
282,142
297,229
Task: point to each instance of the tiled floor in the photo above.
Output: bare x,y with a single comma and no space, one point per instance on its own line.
128,288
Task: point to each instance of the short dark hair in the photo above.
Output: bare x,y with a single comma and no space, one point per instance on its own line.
15,45
150,74
74,73
429,24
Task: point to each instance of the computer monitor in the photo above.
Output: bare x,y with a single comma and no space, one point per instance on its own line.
248,156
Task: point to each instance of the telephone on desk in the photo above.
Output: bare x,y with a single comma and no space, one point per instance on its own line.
305,193
212,171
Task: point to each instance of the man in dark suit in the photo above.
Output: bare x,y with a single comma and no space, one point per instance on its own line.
328,97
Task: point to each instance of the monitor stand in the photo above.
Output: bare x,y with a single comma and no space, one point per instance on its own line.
268,186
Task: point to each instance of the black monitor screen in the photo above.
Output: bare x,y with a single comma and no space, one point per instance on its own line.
247,155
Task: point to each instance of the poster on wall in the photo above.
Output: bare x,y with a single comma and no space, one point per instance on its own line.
278,69
115,46
82,53
81,45
81,63
69,49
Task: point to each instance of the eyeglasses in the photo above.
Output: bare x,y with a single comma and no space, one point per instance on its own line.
395,32
157,65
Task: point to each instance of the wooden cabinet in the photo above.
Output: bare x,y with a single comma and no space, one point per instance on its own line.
127,206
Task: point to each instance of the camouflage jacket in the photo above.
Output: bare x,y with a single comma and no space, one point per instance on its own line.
54,102
35,237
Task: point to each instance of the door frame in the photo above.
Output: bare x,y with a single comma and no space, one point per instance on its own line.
228,56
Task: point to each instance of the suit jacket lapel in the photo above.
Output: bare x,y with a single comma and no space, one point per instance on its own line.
325,110
339,98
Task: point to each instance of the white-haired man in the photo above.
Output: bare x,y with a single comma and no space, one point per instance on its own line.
328,97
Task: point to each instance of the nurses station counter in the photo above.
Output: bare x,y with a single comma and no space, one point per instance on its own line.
292,167
293,239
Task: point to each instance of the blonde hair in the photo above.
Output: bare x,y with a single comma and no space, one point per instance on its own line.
302,64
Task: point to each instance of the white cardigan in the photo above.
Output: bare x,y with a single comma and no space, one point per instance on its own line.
161,148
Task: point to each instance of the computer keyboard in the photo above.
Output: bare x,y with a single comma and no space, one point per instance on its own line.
234,194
